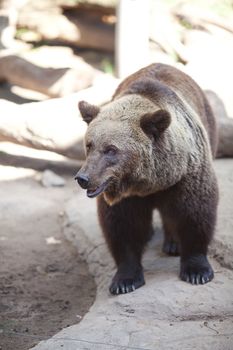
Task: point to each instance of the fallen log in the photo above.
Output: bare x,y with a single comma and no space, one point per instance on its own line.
53,125
165,31
82,27
53,82
56,125
94,33
195,17
59,167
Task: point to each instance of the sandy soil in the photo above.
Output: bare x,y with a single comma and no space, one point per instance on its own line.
44,285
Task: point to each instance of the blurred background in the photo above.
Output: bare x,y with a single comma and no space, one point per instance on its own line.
83,39
54,48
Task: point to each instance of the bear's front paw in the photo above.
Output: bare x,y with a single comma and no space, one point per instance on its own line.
123,283
196,269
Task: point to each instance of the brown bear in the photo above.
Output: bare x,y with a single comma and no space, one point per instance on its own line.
152,147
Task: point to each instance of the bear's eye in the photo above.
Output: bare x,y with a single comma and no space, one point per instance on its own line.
110,150
88,146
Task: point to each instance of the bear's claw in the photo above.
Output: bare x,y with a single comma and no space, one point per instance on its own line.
196,270
122,285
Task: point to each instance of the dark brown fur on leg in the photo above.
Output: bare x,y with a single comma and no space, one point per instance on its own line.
193,214
170,243
127,228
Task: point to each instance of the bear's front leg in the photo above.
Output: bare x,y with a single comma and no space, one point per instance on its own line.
126,227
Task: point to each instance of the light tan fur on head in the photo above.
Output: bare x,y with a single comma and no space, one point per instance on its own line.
117,124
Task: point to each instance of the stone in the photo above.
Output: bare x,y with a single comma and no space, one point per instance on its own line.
50,179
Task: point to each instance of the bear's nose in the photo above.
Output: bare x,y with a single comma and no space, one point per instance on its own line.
83,180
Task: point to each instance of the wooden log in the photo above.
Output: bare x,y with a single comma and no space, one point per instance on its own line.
40,164
53,82
94,33
198,18
80,27
56,125
53,125
165,31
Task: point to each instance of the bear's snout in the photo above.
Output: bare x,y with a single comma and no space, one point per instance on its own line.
83,180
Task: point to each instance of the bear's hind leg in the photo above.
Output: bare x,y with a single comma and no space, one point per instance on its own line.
170,247
127,228
170,242
189,210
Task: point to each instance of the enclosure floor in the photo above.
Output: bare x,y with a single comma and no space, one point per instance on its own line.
44,285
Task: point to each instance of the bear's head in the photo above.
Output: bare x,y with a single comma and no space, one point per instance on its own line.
119,144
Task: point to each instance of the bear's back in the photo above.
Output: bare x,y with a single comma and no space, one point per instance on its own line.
186,89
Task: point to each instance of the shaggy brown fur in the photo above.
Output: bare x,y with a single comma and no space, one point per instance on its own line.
152,147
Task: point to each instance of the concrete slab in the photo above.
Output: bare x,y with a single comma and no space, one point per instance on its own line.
166,313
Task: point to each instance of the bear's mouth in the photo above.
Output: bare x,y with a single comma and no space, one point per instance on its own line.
91,193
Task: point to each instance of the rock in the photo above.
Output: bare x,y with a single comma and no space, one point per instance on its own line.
225,125
50,179
225,146
216,104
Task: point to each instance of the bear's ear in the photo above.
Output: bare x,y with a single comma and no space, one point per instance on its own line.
154,124
88,111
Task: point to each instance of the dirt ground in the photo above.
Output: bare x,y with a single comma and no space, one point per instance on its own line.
44,285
